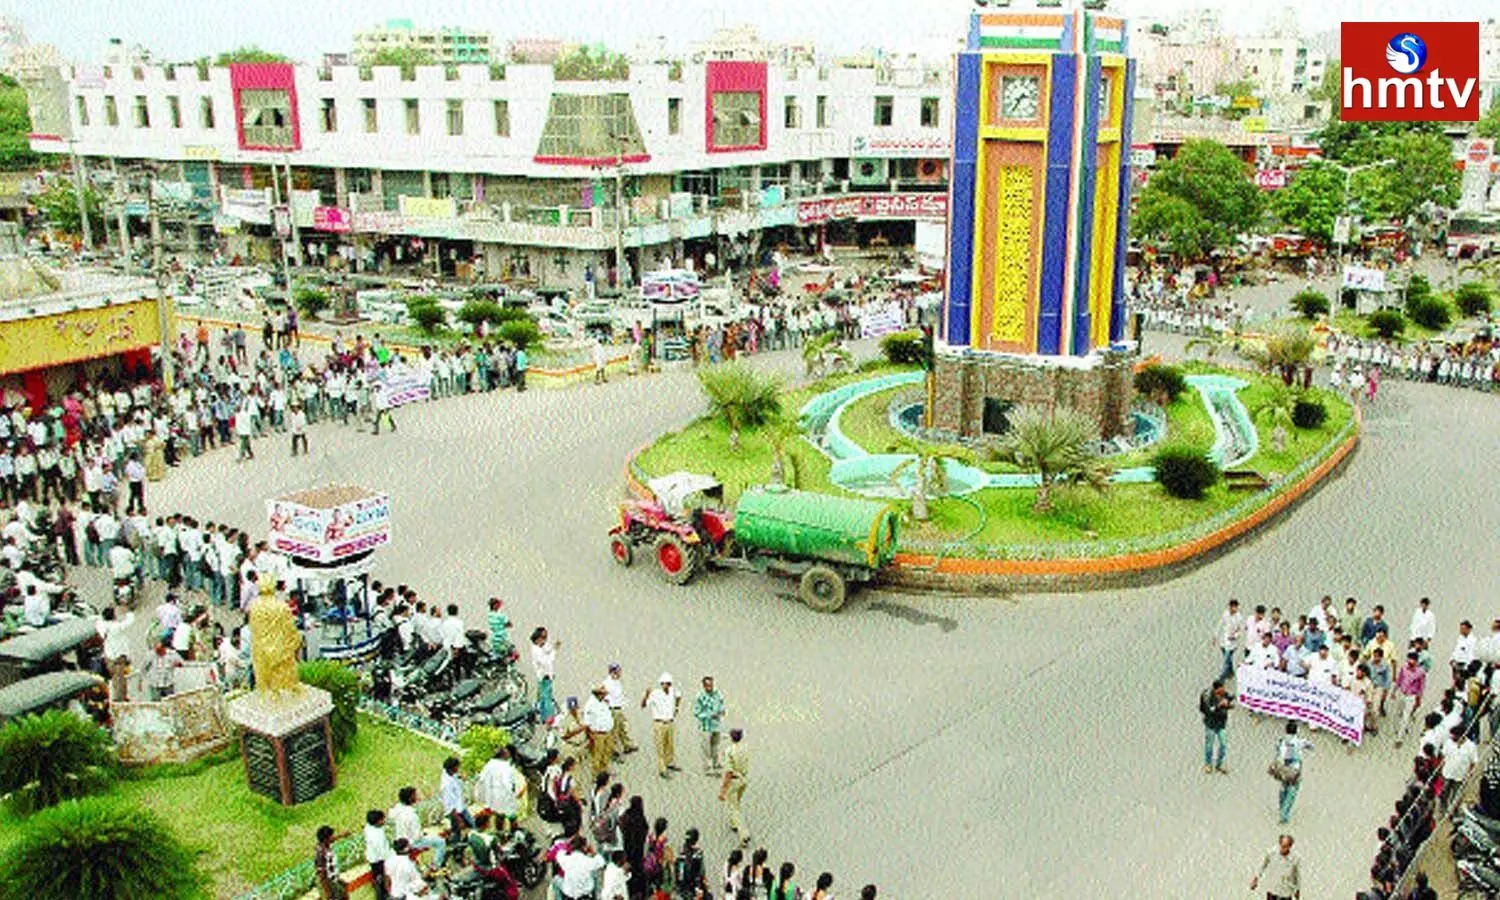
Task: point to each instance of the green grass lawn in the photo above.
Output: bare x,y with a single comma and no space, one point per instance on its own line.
1346,321
246,838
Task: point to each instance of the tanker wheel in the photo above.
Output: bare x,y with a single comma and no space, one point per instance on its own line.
822,589
621,550
674,559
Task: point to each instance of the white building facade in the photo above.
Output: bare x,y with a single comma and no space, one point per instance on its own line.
516,172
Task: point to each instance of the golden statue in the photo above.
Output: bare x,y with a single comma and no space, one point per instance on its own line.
274,645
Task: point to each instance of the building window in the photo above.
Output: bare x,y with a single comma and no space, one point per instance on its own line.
266,118
885,111
372,120
674,115
111,113
328,115
502,118
138,72
174,111
736,119
793,114
413,116
83,111
590,126
169,72
822,112
142,113
929,112
206,113
455,118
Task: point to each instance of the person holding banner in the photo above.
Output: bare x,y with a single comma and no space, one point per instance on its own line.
1287,769
1227,638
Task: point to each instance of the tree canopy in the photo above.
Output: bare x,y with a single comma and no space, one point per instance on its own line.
1423,170
59,204
1311,201
250,53
15,126
1488,125
1198,201
405,57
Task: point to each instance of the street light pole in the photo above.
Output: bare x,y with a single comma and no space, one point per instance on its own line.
78,183
1338,235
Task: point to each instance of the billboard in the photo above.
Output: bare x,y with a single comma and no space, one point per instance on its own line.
326,525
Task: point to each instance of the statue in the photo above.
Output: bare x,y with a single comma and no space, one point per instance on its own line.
274,645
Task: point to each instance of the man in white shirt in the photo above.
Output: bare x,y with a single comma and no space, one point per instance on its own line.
168,616
1323,612
407,825
116,650
544,661
1227,638
662,702
616,883
36,608
406,881
122,563
1488,650
497,787
614,695
1264,655
1423,622
377,852
1459,758
1322,669
600,723
451,792
578,866
455,640
1463,651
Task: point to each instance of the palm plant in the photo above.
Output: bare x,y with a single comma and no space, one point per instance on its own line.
824,353
1287,348
1277,410
740,396
780,433
50,757
98,849
1059,445
931,478
1212,345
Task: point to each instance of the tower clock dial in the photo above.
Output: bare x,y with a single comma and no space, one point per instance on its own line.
1020,96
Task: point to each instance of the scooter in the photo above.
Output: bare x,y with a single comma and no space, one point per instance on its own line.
522,858
1477,878
1471,841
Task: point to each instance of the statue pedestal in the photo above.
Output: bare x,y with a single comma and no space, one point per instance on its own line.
287,743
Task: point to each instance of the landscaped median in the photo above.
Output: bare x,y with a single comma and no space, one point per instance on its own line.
989,537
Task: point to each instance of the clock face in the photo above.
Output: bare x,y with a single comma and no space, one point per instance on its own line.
1020,96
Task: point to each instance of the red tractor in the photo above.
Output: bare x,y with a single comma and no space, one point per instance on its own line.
683,527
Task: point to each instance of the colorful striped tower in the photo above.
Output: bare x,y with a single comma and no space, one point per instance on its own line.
1040,183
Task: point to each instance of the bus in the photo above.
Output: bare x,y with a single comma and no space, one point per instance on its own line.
1473,236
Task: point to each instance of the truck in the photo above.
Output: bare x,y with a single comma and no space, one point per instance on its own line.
824,541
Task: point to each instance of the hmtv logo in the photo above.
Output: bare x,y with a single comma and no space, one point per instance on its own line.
1410,71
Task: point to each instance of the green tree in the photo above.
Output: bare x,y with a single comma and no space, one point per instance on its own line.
825,353
476,311
50,757
1423,171
1311,200
595,63
1277,411
426,313
782,432
930,478
1286,349
15,126
1310,303
342,684
310,299
1199,201
404,58
1488,125
98,849
1058,445
740,396
1473,298
521,333
250,53
58,204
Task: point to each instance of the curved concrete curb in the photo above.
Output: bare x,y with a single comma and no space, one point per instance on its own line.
970,576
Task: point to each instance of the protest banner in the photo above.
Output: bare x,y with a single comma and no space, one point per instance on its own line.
1289,697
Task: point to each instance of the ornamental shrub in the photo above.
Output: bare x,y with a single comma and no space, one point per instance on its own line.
426,314
1310,303
52,756
476,311
522,333
1430,312
1185,473
1473,298
1308,413
904,348
342,683
98,849
1387,323
1163,384
479,743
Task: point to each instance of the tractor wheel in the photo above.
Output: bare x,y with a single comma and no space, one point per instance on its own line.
622,550
675,559
822,589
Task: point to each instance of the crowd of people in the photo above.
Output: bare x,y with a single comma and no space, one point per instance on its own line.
1353,650
1358,365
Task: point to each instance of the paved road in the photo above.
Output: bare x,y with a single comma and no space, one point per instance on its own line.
1017,746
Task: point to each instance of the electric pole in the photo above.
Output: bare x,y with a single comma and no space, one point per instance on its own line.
78,185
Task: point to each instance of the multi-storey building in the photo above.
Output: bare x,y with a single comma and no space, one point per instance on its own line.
1280,66
447,46
513,170
1489,63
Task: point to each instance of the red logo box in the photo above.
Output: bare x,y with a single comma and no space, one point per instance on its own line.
1377,89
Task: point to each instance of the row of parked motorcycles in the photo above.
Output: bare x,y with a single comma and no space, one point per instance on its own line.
1476,839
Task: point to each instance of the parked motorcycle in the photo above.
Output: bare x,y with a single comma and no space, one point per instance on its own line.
521,855
1477,878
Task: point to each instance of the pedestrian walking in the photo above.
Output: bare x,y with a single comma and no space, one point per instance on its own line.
736,779
381,404
1463,651
1280,872
708,709
544,661
297,424
1423,622
1227,638
1287,768
662,702
1214,705
1411,681
601,361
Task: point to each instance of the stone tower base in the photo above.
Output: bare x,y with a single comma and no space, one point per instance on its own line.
975,389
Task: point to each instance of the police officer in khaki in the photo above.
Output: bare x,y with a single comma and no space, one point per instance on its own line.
662,702
736,779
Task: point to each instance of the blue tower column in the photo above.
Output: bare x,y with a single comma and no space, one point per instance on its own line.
1122,224
959,305
1059,175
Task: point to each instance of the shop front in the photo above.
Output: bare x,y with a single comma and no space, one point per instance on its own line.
47,347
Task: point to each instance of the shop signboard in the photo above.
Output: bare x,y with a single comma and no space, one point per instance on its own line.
326,525
252,206
39,342
902,146
172,191
1270,179
1254,124
873,207
428,207
331,218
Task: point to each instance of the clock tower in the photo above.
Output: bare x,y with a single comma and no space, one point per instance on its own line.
1038,200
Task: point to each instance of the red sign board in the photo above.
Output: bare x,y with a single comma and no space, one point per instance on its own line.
1270,179
1410,71
331,218
873,206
